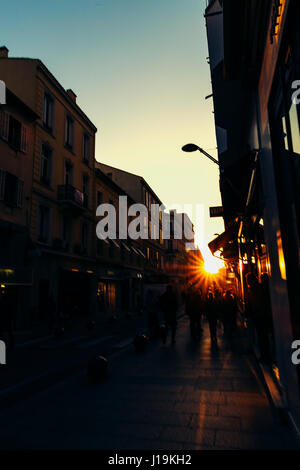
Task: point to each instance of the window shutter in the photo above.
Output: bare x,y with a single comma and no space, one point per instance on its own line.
2,184
20,195
4,124
24,139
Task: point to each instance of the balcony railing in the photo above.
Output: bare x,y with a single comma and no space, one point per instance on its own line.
69,194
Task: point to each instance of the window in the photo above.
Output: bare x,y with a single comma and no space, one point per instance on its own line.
4,124
68,172
111,250
99,198
46,164
85,190
69,135
14,133
86,148
84,237
11,189
67,231
100,247
44,224
48,112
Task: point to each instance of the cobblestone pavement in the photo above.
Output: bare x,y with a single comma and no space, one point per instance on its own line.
172,397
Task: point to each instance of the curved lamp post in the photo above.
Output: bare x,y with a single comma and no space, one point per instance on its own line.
193,148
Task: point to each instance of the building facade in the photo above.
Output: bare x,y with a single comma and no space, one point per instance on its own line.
254,61
17,124
61,206
153,247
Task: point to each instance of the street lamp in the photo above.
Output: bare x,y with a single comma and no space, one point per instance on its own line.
193,148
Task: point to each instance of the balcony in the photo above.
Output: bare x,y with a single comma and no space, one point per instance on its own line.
71,198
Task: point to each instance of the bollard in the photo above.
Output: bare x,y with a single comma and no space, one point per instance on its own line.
163,331
91,324
140,342
97,368
59,331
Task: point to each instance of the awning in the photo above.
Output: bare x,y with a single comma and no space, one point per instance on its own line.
125,246
141,253
113,242
11,276
226,242
135,250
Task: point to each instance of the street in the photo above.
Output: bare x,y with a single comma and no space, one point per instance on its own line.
172,397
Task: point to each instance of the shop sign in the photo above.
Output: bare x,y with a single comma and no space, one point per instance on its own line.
276,18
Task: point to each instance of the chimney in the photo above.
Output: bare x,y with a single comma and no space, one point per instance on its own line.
3,52
72,95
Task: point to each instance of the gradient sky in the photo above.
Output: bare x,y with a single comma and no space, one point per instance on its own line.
140,73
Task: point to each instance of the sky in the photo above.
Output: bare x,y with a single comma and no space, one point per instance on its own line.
140,73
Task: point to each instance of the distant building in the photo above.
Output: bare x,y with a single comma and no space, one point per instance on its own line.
120,263
178,257
140,192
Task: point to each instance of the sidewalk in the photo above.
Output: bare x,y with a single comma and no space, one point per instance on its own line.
170,397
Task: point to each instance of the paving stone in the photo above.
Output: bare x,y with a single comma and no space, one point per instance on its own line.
200,396
200,408
215,422
136,430
156,445
245,398
192,436
225,385
246,385
170,419
251,441
243,410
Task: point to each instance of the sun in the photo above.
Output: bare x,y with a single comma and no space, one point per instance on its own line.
212,265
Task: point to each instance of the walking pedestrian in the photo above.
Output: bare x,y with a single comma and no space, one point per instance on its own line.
193,308
212,318
256,310
229,313
6,314
169,305
151,307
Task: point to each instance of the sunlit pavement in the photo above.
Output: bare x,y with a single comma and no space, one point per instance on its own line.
171,397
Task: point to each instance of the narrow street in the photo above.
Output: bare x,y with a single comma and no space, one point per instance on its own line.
182,397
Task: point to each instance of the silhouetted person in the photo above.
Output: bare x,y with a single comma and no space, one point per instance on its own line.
6,316
229,313
211,309
169,305
51,312
151,307
257,307
193,308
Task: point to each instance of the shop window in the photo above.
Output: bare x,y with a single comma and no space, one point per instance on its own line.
99,198
44,224
295,132
84,237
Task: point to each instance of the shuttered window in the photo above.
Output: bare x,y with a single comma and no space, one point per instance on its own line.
4,124
11,189
13,131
